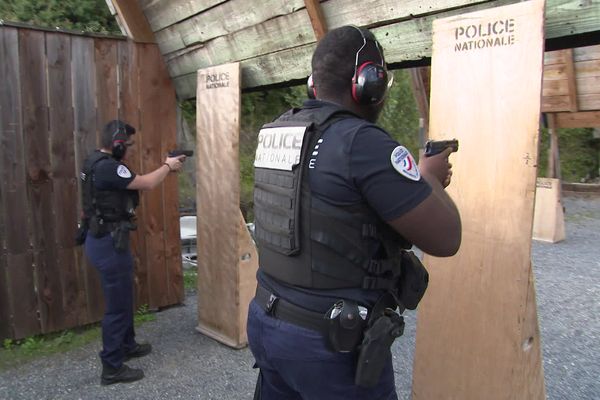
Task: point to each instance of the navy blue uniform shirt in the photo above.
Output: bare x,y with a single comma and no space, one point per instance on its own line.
353,165
110,174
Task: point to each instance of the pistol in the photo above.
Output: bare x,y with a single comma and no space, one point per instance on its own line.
179,152
433,147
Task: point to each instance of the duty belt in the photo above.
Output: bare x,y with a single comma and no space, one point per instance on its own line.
286,311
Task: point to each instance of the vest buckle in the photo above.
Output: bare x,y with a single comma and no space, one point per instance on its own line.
270,307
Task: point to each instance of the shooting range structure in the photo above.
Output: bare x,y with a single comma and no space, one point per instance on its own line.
75,82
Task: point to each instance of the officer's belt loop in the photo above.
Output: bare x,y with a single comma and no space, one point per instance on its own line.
286,311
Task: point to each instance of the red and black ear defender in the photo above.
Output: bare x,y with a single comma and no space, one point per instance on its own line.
119,140
311,91
370,80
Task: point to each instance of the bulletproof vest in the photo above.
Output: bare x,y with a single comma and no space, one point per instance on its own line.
105,205
302,240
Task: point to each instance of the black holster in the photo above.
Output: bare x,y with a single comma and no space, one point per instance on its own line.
413,281
346,325
375,347
120,235
81,233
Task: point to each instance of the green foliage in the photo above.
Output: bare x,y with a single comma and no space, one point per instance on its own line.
84,15
8,344
190,279
143,314
577,153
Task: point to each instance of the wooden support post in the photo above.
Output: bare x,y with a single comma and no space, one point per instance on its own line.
553,154
477,331
315,13
549,218
227,257
132,20
571,82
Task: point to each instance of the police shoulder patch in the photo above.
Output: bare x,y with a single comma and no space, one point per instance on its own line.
404,163
123,171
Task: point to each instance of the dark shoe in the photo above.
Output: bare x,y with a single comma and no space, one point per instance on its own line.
140,350
123,374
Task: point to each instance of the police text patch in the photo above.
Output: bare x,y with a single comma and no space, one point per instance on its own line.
279,148
403,162
123,171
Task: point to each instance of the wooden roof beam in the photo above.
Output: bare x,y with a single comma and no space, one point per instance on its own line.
132,20
315,13
585,119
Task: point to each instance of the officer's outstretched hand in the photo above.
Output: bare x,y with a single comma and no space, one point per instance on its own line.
175,163
437,166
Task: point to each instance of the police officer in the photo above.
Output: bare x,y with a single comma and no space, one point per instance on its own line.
110,196
338,203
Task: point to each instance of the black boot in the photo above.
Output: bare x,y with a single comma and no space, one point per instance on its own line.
123,374
140,350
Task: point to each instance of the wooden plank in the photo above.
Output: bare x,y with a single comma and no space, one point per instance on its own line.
554,57
6,320
477,311
129,111
571,17
16,246
150,136
556,103
420,88
555,72
585,69
133,20
65,198
589,119
555,87
317,20
83,82
107,92
548,218
553,153
586,53
25,311
589,102
218,192
39,182
162,13
227,18
589,85
570,72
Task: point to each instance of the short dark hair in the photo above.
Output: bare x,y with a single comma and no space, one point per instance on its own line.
114,128
334,58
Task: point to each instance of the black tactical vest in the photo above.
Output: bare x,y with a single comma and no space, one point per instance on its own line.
105,206
302,240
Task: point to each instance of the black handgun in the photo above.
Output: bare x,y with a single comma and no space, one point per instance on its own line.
433,147
179,152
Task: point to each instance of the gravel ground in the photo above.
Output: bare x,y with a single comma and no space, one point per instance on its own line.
188,365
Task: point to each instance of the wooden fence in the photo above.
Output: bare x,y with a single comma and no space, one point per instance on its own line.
57,90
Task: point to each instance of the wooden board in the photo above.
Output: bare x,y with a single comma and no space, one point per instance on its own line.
227,258
86,137
548,218
477,335
152,157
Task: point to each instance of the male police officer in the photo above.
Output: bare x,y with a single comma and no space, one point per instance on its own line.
110,196
337,204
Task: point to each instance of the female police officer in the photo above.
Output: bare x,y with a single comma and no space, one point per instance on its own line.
110,196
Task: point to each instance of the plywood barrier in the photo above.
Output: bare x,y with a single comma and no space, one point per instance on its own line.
549,218
227,257
477,330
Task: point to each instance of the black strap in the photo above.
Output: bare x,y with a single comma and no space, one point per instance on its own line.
286,311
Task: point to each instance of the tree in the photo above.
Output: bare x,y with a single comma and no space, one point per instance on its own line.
84,15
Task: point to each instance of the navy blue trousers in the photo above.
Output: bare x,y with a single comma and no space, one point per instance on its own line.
296,364
116,275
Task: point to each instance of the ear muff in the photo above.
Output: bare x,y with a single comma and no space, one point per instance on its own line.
370,84
370,80
119,148
311,92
